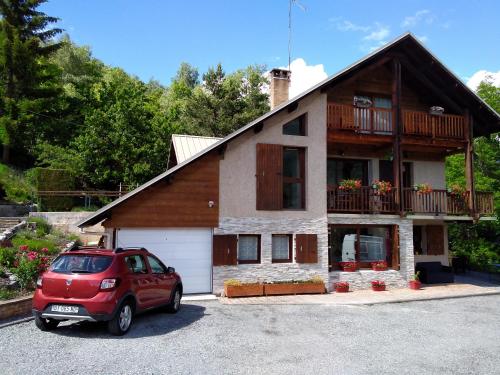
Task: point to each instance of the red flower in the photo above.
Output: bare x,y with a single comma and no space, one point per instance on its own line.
24,248
32,255
45,250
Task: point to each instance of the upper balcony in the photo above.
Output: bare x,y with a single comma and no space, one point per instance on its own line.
380,122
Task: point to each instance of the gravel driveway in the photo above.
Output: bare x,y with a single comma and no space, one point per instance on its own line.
457,336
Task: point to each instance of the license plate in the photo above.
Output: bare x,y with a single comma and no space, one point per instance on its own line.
65,309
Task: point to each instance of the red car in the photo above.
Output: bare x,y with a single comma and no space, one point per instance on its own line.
104,285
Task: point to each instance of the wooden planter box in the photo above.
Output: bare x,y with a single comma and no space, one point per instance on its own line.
415,284
249,290
301,288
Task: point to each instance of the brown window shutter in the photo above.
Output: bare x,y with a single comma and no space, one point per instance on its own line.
435,240
225,250
306,248
395,247
269,177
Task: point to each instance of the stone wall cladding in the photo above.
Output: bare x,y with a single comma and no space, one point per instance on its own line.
266,270
392,278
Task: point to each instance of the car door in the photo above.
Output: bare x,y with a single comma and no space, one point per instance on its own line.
141,280
163,281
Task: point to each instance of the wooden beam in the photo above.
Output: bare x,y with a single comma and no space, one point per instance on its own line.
258,128
397,162
469,164
292,107
357,138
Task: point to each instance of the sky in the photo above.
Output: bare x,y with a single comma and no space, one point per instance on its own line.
150,38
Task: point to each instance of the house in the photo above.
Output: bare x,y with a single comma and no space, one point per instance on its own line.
293,194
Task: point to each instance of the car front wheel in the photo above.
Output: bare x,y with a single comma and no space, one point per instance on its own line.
46,324
122,321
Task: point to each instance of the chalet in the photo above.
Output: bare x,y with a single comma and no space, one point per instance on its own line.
305,187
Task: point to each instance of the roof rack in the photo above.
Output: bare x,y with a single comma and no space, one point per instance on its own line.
76,248
123,249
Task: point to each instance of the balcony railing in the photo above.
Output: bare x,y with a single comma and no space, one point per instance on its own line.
437,202
361,120
380,121
434,126
363,200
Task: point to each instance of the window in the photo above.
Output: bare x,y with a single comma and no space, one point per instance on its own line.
293,178
81,264
248,249
156,266
343,169
296,127
364,245
135,264
282,248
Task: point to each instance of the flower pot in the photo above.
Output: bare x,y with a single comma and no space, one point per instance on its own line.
342,289
291,288
374,268
245,290
415,284
378,288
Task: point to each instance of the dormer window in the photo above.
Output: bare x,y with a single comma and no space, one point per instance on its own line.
296,127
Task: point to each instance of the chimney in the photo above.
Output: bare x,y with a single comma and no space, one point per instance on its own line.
280,82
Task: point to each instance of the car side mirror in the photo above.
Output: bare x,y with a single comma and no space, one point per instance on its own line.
170,269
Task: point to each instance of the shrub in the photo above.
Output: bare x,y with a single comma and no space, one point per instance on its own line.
42,226
29,265
7,257
16,187
36,244
7,294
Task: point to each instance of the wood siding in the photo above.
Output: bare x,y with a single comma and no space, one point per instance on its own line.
269,177
183,202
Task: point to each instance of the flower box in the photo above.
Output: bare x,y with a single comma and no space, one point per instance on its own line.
293,288
378,286
243,290
349,266
341,287
415,284
379,266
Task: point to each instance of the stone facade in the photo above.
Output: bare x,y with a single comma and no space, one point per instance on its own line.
266,270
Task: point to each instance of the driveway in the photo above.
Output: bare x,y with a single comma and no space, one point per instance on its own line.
456,336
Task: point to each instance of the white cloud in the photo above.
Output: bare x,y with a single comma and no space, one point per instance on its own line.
374,47
481,75
378,32
422,38
304,76
421,15
346,25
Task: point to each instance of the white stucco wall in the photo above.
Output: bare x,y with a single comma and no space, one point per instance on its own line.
431,172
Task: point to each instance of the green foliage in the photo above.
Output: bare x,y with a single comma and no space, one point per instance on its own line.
27,271
15,185
7,257
36,244
42,226
47,179
6,294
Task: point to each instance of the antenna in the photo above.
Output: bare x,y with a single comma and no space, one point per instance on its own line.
303,8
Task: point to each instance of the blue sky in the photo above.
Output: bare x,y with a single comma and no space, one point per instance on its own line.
150,38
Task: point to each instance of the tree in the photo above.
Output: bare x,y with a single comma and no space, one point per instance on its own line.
27,78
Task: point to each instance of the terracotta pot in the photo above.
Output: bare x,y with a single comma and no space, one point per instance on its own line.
250,290
415,284
378,288
349,269
341,289
289,288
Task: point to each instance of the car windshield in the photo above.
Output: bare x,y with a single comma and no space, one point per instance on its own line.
81,263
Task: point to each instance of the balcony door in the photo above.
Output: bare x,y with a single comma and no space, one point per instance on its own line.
386,172
347,169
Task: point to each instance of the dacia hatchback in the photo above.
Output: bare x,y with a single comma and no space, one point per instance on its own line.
104,285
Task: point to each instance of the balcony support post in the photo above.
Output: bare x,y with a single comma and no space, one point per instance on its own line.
469,165
397,161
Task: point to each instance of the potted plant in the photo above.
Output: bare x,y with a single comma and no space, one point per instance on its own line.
423,188
350,266
341,287
380,265
378,285
457,191
415,284
315,285
350,185
381,187
235,288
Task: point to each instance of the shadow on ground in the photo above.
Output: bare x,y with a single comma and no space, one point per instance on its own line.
152,323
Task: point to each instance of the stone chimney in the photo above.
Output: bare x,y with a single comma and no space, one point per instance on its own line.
280,82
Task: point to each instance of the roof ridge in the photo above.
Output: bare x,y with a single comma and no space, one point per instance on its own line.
195,136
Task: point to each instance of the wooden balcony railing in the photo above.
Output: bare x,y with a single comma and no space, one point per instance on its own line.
484,203
438,202
361,120
364,200
442,126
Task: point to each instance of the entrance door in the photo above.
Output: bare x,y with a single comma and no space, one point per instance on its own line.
386,172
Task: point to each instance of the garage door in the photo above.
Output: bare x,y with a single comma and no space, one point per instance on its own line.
188,250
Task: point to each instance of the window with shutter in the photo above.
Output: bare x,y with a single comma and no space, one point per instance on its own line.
225,250
269,174
435,240
306,248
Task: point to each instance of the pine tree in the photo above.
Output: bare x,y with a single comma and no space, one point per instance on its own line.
27,79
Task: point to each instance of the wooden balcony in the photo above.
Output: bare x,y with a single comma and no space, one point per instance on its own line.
379,121
436,202
363,201
433,126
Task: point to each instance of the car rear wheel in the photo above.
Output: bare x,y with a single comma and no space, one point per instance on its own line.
122,321
46,324
175,303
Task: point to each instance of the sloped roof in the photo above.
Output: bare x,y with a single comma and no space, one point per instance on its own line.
186,146
491,119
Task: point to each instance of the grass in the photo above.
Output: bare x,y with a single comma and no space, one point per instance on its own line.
16,186
6,294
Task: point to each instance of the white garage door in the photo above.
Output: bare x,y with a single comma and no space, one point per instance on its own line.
189,251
